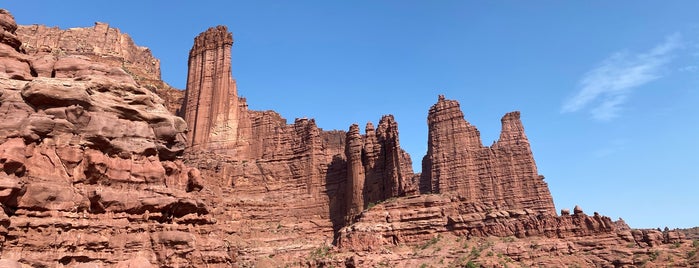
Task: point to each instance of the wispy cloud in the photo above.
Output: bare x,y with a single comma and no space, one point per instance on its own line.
612,147
689,68
607,87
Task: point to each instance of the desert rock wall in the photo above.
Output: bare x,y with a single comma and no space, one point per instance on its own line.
502,176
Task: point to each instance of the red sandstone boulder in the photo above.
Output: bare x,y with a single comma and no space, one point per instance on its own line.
43,196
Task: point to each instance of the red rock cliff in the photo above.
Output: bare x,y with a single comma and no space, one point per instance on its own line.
499,177
378,169
211,99
90,160
102,44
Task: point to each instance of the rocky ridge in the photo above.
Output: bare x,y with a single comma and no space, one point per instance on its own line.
100,43
93,160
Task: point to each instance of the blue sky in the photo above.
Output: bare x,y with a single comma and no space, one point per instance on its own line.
608,90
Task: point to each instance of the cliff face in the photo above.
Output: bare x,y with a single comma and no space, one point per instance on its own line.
211,101
90,161
101,44
279,173
500,177
378,169
221,123
96,172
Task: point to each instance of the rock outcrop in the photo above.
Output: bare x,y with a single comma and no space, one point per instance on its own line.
293,171
49,48
95,171
14,65
211,99
500,177
91,160
221,123
377,168
100,43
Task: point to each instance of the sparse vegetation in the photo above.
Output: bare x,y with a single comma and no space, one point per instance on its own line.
695,243
370,205
654,255
431,242
475,252
471,264
320,252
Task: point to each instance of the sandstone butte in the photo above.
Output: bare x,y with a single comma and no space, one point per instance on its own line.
99,170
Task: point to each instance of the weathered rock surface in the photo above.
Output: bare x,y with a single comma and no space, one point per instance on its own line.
211,99
14,64
91,174
54,52
377,168
95,171
281,174
500,177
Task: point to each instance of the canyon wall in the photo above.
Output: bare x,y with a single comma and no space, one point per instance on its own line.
97,171
91,170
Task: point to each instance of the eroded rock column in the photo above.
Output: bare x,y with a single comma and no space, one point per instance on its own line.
211,101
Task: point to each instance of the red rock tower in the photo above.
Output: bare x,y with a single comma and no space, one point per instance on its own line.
502,176
211,102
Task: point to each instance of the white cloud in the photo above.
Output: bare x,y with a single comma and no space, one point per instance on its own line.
607,87
689,68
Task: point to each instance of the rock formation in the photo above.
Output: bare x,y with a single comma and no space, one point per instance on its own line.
500,177
95,171
378,169
90,160
221,123
102,44
211,100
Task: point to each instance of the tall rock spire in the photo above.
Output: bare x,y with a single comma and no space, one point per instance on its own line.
211,101
355,171
377,168
503,176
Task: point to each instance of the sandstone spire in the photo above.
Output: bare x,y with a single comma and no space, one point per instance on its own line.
503,176
377,168
355,171
211,101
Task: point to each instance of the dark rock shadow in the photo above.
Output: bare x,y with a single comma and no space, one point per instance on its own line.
335,184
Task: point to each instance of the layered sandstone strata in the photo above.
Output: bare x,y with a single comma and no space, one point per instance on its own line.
94,175
500,177
377,168
100,43
211,100
91,171
46,46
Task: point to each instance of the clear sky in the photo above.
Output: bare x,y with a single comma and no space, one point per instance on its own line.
608,90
